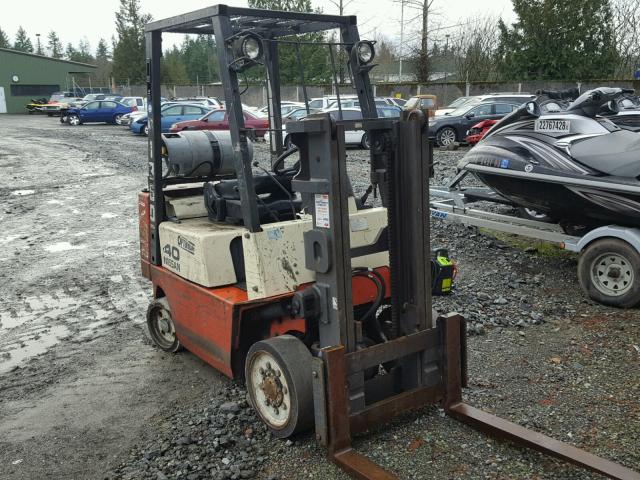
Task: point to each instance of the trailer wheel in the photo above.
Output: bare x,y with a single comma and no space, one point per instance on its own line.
608,273
278,377
161,327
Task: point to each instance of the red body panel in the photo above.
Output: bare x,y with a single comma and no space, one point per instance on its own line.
208,320
260,125
479,130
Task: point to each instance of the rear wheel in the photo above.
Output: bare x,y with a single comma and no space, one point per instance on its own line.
161,327
446,136
145,130
278,377
288,144
608,271
117,119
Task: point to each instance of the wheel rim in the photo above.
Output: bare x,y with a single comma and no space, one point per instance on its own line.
612,274
365,141
118,119
146,129
161,328
73,120
270,390
447,136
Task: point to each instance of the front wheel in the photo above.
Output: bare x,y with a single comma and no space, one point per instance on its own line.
608,271
278,377
446,136
74,120
364,143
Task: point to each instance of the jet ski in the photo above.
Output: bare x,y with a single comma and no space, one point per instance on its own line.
575,166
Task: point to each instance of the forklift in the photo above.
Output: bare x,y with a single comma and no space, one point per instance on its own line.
319,301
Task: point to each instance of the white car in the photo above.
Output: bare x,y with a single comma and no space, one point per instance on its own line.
351,137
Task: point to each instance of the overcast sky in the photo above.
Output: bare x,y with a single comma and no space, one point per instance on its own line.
75,19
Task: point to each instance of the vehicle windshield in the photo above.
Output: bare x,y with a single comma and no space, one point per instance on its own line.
459,112
459,102
388,112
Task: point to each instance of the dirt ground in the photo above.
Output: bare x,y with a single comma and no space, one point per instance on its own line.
83,392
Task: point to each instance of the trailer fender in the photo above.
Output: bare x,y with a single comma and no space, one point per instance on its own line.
627,234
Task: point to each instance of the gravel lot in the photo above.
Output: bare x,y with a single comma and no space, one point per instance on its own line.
84,395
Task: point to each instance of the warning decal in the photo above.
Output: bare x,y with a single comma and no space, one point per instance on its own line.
322,211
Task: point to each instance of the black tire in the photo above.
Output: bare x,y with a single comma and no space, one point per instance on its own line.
608,272
145,130
272,399
74,120
288,144
160,324
117,119
531,214
49,114
364,143
446,136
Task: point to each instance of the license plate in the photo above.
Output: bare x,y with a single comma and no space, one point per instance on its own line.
553,126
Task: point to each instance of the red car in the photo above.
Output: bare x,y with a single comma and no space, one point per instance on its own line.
479,130
219,120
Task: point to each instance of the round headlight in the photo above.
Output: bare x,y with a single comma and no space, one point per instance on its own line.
365,52
251,48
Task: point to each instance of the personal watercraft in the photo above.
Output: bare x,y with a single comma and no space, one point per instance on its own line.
576,167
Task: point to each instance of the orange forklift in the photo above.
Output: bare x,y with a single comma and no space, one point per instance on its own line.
281,276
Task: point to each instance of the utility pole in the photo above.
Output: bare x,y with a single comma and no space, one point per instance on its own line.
401,38
39,49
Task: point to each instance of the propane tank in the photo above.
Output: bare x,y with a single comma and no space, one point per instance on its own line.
200,153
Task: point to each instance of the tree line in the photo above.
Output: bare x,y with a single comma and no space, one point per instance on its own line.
548,40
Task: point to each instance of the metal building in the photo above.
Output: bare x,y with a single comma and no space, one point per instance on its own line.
24,76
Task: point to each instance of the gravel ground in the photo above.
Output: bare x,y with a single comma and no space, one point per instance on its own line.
83,394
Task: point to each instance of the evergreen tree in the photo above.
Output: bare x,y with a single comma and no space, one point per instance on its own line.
315,58
23,42
4,39
84,52
70,52
173,69
54,45
200,59
102,52
569,40
103,61
129,49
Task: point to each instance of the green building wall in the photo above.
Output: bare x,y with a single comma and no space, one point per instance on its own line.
35,74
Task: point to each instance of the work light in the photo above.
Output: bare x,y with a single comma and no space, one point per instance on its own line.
365,52
248,47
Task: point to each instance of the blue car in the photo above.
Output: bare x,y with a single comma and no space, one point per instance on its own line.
103,111
171,113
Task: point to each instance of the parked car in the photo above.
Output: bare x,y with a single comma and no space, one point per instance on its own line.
285,108
427,103
52,106
103,111
170,114
211,102
395,101
219,120
297,114
457,103
354,137
478,131
137,103
509,97
447,129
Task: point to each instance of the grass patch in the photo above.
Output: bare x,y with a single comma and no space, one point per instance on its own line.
545,249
